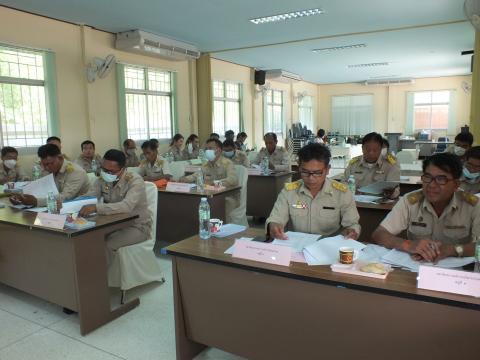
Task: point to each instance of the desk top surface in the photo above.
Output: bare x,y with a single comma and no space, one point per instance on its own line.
205,193
23,218
275,174
399,283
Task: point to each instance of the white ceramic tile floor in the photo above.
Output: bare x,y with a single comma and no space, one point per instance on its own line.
35,329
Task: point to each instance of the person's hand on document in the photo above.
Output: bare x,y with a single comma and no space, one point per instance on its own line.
392,193
276,231
350,234
87,210
424,249
24,199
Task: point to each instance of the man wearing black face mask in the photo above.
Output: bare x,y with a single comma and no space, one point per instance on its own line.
470,180
236,156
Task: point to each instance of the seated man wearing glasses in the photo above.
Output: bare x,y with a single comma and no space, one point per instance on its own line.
314,204
440,219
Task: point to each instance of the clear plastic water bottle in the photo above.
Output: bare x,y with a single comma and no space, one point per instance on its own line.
351,184
35,172
264,166
199,181
51,203
477,257
204,219
94,166
201,155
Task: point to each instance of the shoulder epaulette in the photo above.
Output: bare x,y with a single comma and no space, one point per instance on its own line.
469,198
391,159
159,162
292,185
415,197
339,186
69,168
354,160
128,176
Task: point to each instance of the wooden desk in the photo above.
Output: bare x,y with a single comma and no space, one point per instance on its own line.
262,192
371,215
262,311
413,183
177,213
65,267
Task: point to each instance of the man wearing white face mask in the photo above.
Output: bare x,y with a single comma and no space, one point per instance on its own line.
120,192
10,171
463,142
470,180
236,156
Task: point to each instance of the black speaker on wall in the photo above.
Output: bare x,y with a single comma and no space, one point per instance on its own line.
259,77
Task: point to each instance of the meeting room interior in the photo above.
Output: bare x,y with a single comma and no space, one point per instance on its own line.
239,179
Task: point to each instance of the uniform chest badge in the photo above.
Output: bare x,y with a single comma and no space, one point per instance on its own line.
299,205
379,172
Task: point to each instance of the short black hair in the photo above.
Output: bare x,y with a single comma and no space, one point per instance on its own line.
229,143
373,136
126,141
386,143
8,149
214,135
53,138
448,162
242,134
191,138
155,141
48,150
216,141
314,151
473,152
176,138
87,142
270,135
229,132
465,137
149,144
117,156
321,133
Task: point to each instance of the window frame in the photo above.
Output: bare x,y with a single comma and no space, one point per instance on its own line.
225,100
310,107
266,110
430,104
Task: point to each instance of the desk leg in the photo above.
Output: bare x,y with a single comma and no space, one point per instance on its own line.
92,279
186,348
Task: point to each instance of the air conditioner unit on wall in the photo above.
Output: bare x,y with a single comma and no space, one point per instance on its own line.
388,82
145,43
282,75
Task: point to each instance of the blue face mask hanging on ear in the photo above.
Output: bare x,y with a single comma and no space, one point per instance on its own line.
229,154
472,177
108,178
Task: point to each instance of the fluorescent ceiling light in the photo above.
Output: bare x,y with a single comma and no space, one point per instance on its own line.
286,16
368,65
343,47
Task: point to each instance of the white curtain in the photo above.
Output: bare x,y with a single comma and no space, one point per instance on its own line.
352,114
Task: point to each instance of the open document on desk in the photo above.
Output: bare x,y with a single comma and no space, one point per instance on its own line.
377,188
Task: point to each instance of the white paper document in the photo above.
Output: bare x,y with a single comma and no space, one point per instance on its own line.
75,205
41,187
229,229
325,251
378,187
297,240
404,260
367,198
230,250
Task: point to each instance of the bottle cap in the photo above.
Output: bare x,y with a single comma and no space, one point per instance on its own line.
204,199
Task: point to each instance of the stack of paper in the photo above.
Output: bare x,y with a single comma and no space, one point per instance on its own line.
75,205
404,260
297,241
377,188
368,198
229,229
325,251
41,187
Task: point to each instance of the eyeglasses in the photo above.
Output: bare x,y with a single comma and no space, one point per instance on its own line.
305,173
440,179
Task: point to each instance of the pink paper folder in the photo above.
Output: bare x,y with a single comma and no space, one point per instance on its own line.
263,252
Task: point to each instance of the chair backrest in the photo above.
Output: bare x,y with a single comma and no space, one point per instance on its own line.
239,215
405,157
135,169
152,202
177,168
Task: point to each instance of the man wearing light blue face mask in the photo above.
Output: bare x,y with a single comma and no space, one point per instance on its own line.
236,156
470,180
120,192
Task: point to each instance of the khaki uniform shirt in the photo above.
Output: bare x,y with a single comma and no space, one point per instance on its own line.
458,224
12,175
470,187
71,180
177,153
126,196
132,160
330,211
279,158
187,156
156,171
240,158
86,164
385,169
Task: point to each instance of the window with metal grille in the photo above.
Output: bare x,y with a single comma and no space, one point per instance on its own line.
274,112
23,98
148,103
226,107
305,112
431,111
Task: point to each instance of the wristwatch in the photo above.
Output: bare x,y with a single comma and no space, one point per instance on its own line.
459,250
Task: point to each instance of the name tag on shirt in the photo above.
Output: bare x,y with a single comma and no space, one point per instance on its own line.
415,223
454,226
299,205
328,208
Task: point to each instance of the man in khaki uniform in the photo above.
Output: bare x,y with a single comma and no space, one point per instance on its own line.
86,158
153,167
278,158
71,180
371,166
218,168
440,220
314,204
236,156
129,148
10,171
55,140
120,192
470,180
